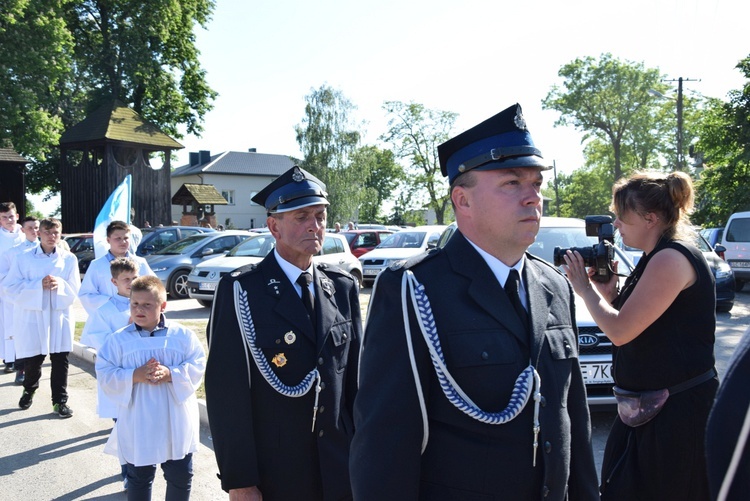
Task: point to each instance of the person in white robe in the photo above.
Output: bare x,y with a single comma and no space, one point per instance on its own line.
97,286
151,369
43,285
30,228
10,236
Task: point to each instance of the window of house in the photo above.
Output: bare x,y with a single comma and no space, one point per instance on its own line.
228,196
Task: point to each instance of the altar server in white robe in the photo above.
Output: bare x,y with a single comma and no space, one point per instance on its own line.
152,368
10,236
43,284
30,228
97,286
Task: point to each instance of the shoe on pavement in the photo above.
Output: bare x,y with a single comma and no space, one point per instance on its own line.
26,400
9,368
62,410
20,377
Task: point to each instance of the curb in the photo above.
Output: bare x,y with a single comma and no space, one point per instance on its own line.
89,354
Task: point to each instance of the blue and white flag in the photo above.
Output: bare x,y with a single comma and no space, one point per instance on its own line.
116,208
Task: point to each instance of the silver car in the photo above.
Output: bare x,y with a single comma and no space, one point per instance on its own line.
204,278
173,263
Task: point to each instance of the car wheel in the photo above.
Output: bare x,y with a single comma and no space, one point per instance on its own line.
205,302
357,278
724,307
178,288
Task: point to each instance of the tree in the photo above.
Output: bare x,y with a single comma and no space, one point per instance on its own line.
609,100
585,191
725,148
383,176
327,138
60,60
415,133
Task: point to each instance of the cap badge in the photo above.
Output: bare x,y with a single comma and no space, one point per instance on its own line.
290,337
279,360
519,120
297,176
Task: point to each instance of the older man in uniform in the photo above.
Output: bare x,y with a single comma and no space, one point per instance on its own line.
283,354
470,385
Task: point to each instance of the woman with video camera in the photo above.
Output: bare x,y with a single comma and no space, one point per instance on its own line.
662,327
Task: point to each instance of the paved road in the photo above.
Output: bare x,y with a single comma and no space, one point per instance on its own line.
43,457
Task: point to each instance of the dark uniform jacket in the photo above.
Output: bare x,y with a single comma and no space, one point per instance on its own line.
261,437
485,348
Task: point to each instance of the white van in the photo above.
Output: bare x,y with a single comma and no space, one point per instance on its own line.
736,240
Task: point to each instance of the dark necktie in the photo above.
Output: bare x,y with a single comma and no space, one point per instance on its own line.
511,289
307,298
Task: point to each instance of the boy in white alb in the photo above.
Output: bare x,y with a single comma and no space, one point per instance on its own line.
10,236
30,228
151,369
97,286
43,284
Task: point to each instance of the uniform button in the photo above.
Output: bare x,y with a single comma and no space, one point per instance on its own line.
320,361
278,341
344,336
320,433
485,355
543,401
545,491
321,409
547,447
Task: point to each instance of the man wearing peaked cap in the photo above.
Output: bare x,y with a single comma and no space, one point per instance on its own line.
284,347
475,391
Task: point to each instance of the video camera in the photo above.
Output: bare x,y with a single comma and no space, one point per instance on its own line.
600,255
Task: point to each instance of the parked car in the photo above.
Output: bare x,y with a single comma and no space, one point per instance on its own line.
82,245
595,349
173,263
736,242
156,238
722,272
713,236
204,278
362,241
398,247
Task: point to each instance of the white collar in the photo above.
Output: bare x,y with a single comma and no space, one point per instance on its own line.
292,272
501,270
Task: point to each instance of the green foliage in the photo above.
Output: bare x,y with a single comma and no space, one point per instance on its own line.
586,191
383,176
415,133
608,100
724,147
328,138
62,59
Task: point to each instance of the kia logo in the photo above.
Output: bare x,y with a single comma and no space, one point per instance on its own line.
588,340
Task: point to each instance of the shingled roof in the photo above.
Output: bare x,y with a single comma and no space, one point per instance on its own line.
236,162
117,122
9,155
204,194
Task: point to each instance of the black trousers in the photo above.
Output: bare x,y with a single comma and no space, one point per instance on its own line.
58,377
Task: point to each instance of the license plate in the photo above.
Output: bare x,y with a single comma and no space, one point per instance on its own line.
597,373
371,272
207,286
741,264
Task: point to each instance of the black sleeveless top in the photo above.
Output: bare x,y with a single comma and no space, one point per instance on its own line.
679,345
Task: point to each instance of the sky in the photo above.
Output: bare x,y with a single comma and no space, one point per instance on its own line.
474,58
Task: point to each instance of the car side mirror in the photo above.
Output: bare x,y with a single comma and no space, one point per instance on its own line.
207,252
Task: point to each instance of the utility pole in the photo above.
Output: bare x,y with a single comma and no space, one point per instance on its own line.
680,156
557,193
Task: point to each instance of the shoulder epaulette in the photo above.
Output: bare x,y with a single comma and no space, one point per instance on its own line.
243,270
415,260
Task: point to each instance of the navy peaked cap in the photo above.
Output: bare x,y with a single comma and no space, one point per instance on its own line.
500,142
294,189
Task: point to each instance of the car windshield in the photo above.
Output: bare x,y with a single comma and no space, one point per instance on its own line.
258,246
549,238
184,246
403,240
349,236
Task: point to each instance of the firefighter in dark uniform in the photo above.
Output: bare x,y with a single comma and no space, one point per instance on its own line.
281,372
470,386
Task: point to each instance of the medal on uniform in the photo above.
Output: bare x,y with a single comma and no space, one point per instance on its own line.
290,337
279,360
